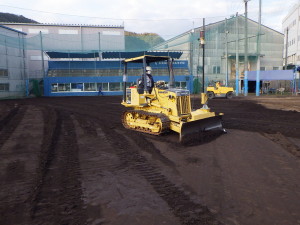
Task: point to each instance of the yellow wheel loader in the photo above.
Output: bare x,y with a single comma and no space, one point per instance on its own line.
219,91
163,107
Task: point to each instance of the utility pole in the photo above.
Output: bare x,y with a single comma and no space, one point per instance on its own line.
202,42
226,52
42,55
258,53
81,39
237,74
286,47
99,37
246,49
192,53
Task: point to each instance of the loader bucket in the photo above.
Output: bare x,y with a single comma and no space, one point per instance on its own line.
200,131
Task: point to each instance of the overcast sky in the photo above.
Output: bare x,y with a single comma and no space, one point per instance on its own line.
168,18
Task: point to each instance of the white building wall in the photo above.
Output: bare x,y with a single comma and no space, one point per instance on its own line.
66,38
13,62
291,29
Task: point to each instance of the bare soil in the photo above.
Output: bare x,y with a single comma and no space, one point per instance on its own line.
68,160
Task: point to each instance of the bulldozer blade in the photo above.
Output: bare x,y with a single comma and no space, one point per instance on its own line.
199,130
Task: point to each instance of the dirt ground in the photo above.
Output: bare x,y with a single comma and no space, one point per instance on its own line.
68,160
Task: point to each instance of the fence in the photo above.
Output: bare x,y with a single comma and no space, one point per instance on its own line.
224,53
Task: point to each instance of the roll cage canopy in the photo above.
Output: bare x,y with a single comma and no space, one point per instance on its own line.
146,60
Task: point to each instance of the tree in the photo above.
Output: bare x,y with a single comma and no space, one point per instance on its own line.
141,41
12,18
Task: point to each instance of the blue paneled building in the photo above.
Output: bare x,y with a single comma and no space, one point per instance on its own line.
81,75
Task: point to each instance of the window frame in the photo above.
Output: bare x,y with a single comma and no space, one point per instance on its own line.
5,87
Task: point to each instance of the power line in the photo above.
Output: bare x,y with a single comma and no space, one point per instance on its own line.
121,19
62,14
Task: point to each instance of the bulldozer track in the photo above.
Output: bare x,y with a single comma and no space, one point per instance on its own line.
182,206
164,119
57,188
179,202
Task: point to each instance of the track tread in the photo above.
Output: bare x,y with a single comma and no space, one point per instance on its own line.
164,119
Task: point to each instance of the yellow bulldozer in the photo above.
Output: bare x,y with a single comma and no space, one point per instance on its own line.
160,107
219,91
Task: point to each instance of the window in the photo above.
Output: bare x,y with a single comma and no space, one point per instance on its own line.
90,87
115,86
4,87
37,31
3,73
79,87
275,68
262,68
76,86
54,87
216,69
104,86
68,31
63,87
108,32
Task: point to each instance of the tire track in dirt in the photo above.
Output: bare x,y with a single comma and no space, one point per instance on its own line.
10,122
18,164
98,163
181,204
52,129
57,197
114,192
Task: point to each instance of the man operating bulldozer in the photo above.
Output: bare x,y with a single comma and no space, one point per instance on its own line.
149,82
